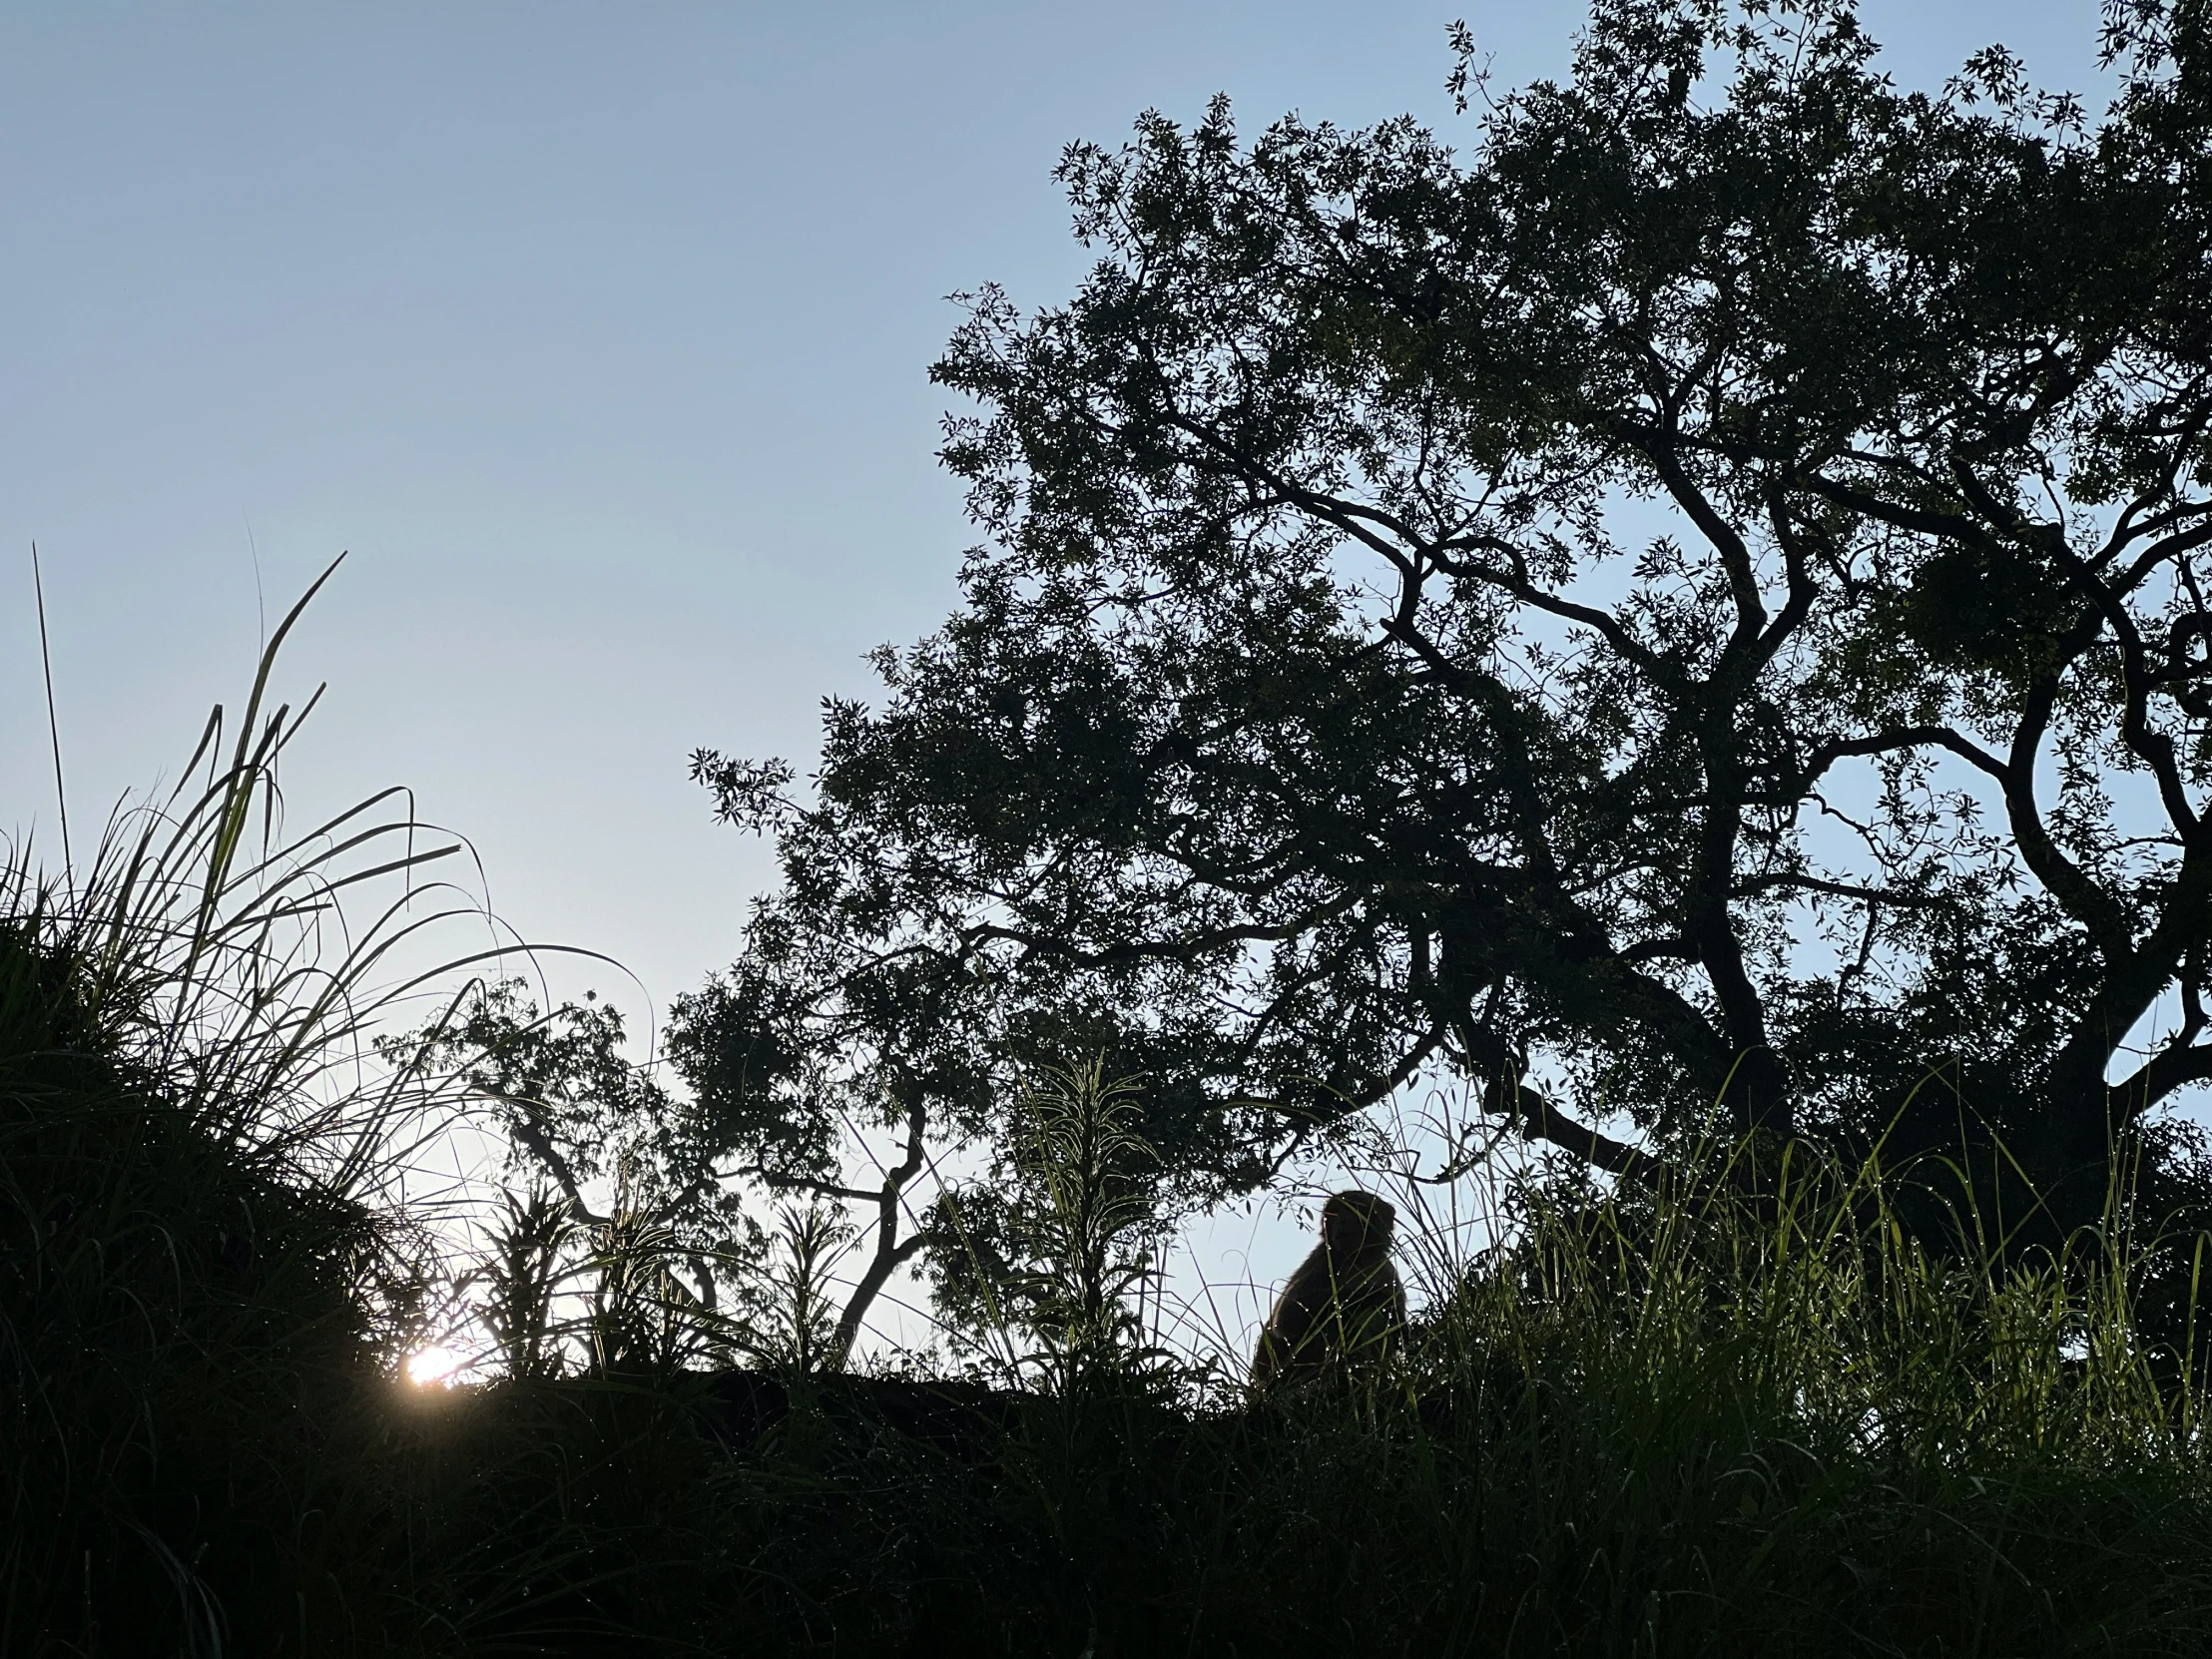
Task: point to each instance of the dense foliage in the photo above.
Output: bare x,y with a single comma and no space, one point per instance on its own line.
1696,597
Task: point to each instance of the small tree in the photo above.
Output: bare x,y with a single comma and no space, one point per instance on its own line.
1057,1240
574,1109
782,1095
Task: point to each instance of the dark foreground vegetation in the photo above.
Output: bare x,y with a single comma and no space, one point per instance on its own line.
1684,625
1669,1428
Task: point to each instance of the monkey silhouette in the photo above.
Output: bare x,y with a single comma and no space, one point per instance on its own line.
1344,1305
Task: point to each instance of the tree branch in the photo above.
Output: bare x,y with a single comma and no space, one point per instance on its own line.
531,1133
889,1254
2172,1068
1537,1119
1840,890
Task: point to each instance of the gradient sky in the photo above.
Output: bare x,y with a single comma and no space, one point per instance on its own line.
597,335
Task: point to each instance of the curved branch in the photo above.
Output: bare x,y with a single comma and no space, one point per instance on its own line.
2176,1067
1888,741
1517,585
1537,1119
891,1254
530,1131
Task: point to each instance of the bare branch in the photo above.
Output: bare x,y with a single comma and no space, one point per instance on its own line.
1840,890
891,1254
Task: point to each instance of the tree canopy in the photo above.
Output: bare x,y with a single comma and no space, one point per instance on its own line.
1695,598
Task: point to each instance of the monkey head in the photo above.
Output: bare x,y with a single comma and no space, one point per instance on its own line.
1355,1224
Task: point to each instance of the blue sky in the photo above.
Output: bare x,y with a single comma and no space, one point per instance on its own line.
597,335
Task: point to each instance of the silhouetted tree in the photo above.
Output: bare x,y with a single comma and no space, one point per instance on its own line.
1701,595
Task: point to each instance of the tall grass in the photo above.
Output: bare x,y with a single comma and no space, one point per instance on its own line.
201,1268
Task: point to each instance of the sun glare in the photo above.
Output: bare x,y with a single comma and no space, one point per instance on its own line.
432,1365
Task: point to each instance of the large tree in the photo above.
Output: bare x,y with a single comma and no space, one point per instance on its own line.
1699,594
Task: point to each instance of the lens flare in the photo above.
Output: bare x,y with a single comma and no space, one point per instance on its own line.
432,1365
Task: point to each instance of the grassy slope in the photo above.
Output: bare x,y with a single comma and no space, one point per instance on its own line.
1778,1429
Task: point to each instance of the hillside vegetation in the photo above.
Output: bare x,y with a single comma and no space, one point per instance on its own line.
1644,1427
